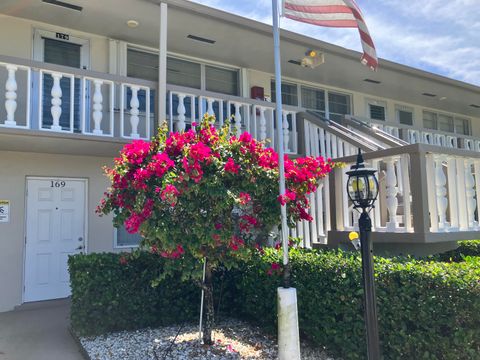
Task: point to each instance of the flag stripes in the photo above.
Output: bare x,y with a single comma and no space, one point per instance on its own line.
334,13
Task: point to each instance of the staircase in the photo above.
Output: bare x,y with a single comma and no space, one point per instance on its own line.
428,197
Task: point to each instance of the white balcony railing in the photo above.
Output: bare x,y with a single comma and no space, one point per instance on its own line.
186,105
52,98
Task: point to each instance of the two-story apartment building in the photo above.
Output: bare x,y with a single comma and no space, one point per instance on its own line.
83,77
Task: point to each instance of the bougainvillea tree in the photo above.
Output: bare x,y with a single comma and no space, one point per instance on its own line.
205,197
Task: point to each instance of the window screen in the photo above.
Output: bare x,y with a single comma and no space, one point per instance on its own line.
429,120
338,105
125,239
289,93
377,112
62,53
462,126
142,65
220,80
445,123
313,99
183,73
405,115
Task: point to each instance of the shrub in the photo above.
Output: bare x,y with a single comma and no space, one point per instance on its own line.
427,310
465,248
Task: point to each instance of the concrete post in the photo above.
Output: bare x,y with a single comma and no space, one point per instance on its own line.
288,332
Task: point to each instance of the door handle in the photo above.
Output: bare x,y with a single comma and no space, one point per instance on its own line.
79,248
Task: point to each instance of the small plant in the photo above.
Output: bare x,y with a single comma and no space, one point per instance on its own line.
205,197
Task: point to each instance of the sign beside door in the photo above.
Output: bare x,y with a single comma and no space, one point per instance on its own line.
55,229
4,211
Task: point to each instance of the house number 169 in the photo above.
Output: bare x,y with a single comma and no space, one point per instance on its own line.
57,184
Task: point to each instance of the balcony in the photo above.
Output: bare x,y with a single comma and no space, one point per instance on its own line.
45,101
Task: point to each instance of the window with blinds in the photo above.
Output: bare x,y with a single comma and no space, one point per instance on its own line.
376,112
338,105
65,54
313,99
142,65
221,80
184,73
429,120
462,126
445,123
289,93
404,115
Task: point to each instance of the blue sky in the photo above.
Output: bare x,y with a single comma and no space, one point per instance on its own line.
440,36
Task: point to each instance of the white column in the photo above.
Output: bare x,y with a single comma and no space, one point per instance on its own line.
181,112
162,66
470,194
56,109
391,190
286,134
11,96
134,119
97,107
263,124
210,106
441,193
238,119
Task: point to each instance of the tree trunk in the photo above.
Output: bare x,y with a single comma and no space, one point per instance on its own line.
209,321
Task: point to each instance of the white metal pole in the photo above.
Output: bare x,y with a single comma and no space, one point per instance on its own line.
288,331
278,101
162,66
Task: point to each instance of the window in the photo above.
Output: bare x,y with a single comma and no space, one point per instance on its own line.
289,93
142,65
404,115
184,73
462,126
429,120
445,123
124,239
338,105
377,110
313,99
221,80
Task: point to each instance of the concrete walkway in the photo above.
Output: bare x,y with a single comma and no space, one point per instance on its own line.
38,331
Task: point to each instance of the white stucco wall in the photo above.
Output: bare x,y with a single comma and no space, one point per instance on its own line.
14,169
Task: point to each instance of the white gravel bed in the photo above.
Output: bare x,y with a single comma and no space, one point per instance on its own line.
233,340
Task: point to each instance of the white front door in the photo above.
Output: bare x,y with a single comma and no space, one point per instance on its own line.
55,229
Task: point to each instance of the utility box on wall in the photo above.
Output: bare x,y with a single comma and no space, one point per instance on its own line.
257,92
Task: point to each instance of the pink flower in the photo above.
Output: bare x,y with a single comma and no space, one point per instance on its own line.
231,167
245,137
244,198
275,269
218,226
123,260
169,194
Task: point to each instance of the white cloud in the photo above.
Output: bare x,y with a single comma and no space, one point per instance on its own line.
433,35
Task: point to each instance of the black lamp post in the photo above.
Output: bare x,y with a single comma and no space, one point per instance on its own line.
362,188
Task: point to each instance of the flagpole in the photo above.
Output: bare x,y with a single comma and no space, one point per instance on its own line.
288,331
281,151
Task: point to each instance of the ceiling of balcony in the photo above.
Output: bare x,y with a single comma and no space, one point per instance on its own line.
233,45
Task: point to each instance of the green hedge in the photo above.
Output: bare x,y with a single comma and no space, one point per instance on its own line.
427,310
110,296
465,248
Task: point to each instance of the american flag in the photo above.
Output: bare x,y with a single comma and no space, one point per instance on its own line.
334,13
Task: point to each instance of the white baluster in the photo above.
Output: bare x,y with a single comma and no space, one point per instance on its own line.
470,193
441,193
56,109
210,106
134,119
286,133
391,190
97,107
181,112
11,96
238,119
263,124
